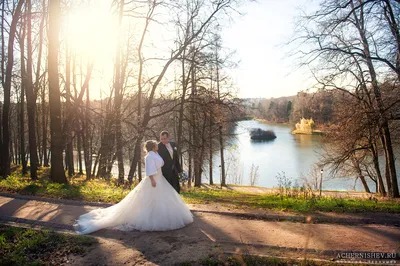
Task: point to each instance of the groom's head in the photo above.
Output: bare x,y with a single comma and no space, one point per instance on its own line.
164,137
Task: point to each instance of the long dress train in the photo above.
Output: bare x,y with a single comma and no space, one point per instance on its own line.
145,208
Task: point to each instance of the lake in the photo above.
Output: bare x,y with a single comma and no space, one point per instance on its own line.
295,155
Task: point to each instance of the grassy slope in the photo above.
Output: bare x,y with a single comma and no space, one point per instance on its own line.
106,191
21,246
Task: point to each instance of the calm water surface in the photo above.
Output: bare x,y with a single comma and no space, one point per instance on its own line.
295,155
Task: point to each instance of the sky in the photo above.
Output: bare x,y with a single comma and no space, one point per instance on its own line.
259,38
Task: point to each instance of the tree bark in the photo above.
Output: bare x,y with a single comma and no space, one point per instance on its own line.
381,186
182,105
118,86
31,98
79,148
69,153
106,145
5,145
190,159
87,149
44,127
57,169
3,53
210,161
22,155
360,175
221,140
42,151
196,142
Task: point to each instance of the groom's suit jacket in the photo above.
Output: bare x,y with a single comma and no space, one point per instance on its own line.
172,167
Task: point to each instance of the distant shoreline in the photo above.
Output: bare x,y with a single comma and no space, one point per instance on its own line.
301,132
295,131
270,122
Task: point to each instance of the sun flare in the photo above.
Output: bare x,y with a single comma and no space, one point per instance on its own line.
90,31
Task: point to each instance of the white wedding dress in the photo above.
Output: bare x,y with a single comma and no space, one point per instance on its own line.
145,208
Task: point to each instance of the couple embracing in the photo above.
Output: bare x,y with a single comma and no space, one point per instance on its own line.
154,204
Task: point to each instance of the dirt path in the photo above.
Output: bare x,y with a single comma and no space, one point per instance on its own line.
214,231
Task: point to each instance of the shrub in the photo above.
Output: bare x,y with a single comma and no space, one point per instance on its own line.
259,134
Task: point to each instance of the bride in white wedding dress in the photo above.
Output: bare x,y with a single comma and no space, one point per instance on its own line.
153,205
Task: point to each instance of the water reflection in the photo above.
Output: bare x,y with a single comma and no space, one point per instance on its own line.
295,155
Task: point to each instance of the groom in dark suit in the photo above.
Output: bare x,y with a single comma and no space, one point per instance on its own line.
172,168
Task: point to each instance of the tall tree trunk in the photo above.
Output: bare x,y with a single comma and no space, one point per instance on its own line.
11,143
140,165
57,169
190,159
210,160
44,127
197,148
38,136
136,161
3,54
16,149
193,122
221,145
387,170
96,162
136,155
86,137
203,145
79,148
118,84
42,149
106,145
389,154
182,105
210,136
69,153
221,140
360,175
5,145
31,98
22,132
375,159
22,102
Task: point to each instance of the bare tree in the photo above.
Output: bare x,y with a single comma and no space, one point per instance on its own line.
6,83
31,96
216,7
22,155
118,89
346,40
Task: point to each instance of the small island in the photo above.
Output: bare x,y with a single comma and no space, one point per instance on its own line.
259,134
306,126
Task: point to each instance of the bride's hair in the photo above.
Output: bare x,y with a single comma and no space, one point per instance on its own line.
149,145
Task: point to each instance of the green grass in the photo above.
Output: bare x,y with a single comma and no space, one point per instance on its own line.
286,203
100,190
21,246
